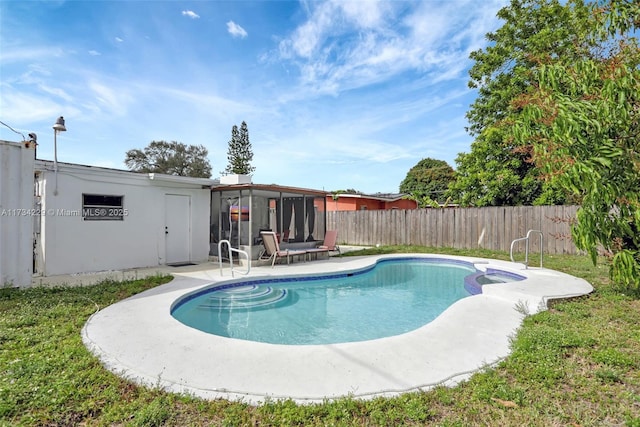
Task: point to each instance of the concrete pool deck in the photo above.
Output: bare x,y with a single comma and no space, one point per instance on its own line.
138,339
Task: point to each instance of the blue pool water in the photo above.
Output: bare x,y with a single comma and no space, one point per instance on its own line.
393,297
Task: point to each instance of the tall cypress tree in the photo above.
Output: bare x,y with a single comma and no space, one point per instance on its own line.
240,153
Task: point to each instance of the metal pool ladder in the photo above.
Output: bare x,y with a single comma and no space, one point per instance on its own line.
231,251
526,251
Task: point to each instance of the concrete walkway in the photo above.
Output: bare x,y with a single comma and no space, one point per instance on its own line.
138,339
92,278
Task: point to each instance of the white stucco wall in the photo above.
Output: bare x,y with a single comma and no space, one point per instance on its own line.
70,244
16,220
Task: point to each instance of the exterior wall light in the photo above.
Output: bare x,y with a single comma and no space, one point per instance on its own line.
57,127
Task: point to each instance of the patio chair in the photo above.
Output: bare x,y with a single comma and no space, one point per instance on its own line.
329,244
272,248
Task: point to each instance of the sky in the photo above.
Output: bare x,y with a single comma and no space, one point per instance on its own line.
336,95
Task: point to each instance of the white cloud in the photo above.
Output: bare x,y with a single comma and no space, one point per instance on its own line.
236,30
191,14
34,73
115,100
26,108
57,92
35,110
205,102
119,40
347,45
306,38
363,13
28,53
37,77
94,53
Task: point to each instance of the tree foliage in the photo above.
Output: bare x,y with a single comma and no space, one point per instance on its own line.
497,171
173,158
581,116
240,153
531,28
428,179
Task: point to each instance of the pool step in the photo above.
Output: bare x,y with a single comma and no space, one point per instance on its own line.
244,297
474,282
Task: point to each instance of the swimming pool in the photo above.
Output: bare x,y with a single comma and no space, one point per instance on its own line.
393,297
140,340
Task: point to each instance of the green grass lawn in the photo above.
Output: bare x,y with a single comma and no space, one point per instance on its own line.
577,364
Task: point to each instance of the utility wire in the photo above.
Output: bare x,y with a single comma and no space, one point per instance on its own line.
23,138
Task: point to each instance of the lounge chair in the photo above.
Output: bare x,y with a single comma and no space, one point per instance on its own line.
329,244
272,248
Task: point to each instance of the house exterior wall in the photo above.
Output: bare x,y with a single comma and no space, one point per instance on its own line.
369,204
401,204
347,203
16,215
69,243
341,204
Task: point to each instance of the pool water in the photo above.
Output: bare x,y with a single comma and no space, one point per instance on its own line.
393,297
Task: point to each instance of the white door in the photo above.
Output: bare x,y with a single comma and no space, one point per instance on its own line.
177,228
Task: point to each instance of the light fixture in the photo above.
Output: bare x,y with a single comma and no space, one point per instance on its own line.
57,127
33,139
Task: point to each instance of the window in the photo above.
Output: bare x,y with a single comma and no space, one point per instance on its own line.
99,207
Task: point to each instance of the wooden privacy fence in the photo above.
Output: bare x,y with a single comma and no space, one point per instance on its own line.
463,228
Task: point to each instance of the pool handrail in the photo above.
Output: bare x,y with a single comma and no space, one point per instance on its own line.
526,250
231,251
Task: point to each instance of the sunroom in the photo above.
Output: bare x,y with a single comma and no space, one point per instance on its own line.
240,211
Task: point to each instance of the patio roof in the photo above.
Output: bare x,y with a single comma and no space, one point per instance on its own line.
269,188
